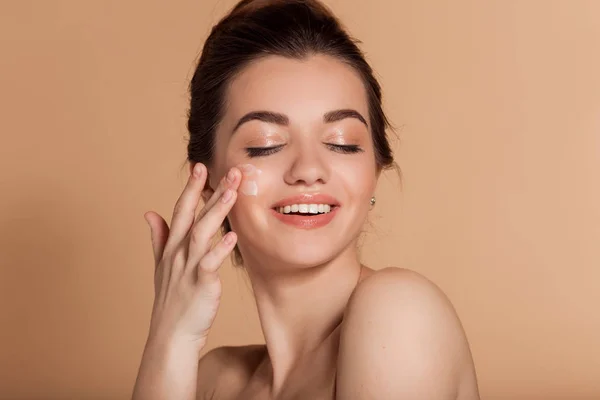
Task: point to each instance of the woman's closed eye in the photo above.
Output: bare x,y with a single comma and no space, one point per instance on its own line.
345,148
266,151
263,151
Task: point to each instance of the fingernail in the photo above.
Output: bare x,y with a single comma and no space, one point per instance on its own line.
228,238
198,170
227,196
230,176
248,169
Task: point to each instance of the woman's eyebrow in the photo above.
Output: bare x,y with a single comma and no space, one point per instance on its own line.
337,115
265,116
282,119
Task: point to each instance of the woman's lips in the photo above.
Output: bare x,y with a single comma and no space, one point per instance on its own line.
311,221
308,198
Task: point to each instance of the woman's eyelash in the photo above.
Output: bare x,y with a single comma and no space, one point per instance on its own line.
345,148
262,151
265,151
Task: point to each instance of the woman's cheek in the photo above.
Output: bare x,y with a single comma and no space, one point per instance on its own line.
248,205
250,177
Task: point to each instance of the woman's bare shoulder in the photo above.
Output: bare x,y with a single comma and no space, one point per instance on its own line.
401,332
224,371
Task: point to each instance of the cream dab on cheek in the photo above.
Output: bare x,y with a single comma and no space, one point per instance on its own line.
249,188
249,185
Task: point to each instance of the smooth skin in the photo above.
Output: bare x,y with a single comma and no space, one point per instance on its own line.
333,328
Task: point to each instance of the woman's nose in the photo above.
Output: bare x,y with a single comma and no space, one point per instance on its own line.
307,167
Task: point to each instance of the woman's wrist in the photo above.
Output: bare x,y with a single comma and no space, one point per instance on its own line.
170,342
168,369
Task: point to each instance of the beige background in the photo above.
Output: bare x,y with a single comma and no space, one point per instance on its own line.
498,109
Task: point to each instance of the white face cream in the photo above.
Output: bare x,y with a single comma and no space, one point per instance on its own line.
249,188
249,185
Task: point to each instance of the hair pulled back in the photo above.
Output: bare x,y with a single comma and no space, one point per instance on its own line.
253,29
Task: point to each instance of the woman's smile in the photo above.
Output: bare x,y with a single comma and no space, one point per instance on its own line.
307,210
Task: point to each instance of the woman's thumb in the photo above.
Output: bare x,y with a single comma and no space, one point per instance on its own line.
158,235
151,235
148,222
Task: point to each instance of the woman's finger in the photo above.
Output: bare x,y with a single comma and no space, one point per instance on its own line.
231,180
184,212
210,263
198,244
203,231
159,232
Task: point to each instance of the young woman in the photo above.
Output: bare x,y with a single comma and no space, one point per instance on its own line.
287,141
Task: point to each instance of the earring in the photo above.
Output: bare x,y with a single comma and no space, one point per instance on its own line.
372,201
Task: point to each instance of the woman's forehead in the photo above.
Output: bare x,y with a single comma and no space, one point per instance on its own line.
299,88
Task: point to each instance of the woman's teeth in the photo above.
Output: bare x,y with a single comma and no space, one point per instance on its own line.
305,209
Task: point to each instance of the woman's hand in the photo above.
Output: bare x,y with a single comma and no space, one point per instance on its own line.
187,288
186,280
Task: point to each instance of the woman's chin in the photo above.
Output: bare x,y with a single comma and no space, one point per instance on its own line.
284,245
303,256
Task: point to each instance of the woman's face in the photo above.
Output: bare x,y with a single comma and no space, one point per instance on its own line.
299,130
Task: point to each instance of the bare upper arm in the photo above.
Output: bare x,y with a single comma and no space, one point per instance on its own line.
401,338
224,371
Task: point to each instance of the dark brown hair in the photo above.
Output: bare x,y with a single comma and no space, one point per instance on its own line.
258,28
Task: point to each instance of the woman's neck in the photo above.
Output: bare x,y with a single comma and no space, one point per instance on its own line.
299,308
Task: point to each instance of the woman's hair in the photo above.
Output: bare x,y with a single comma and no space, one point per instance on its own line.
253,29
